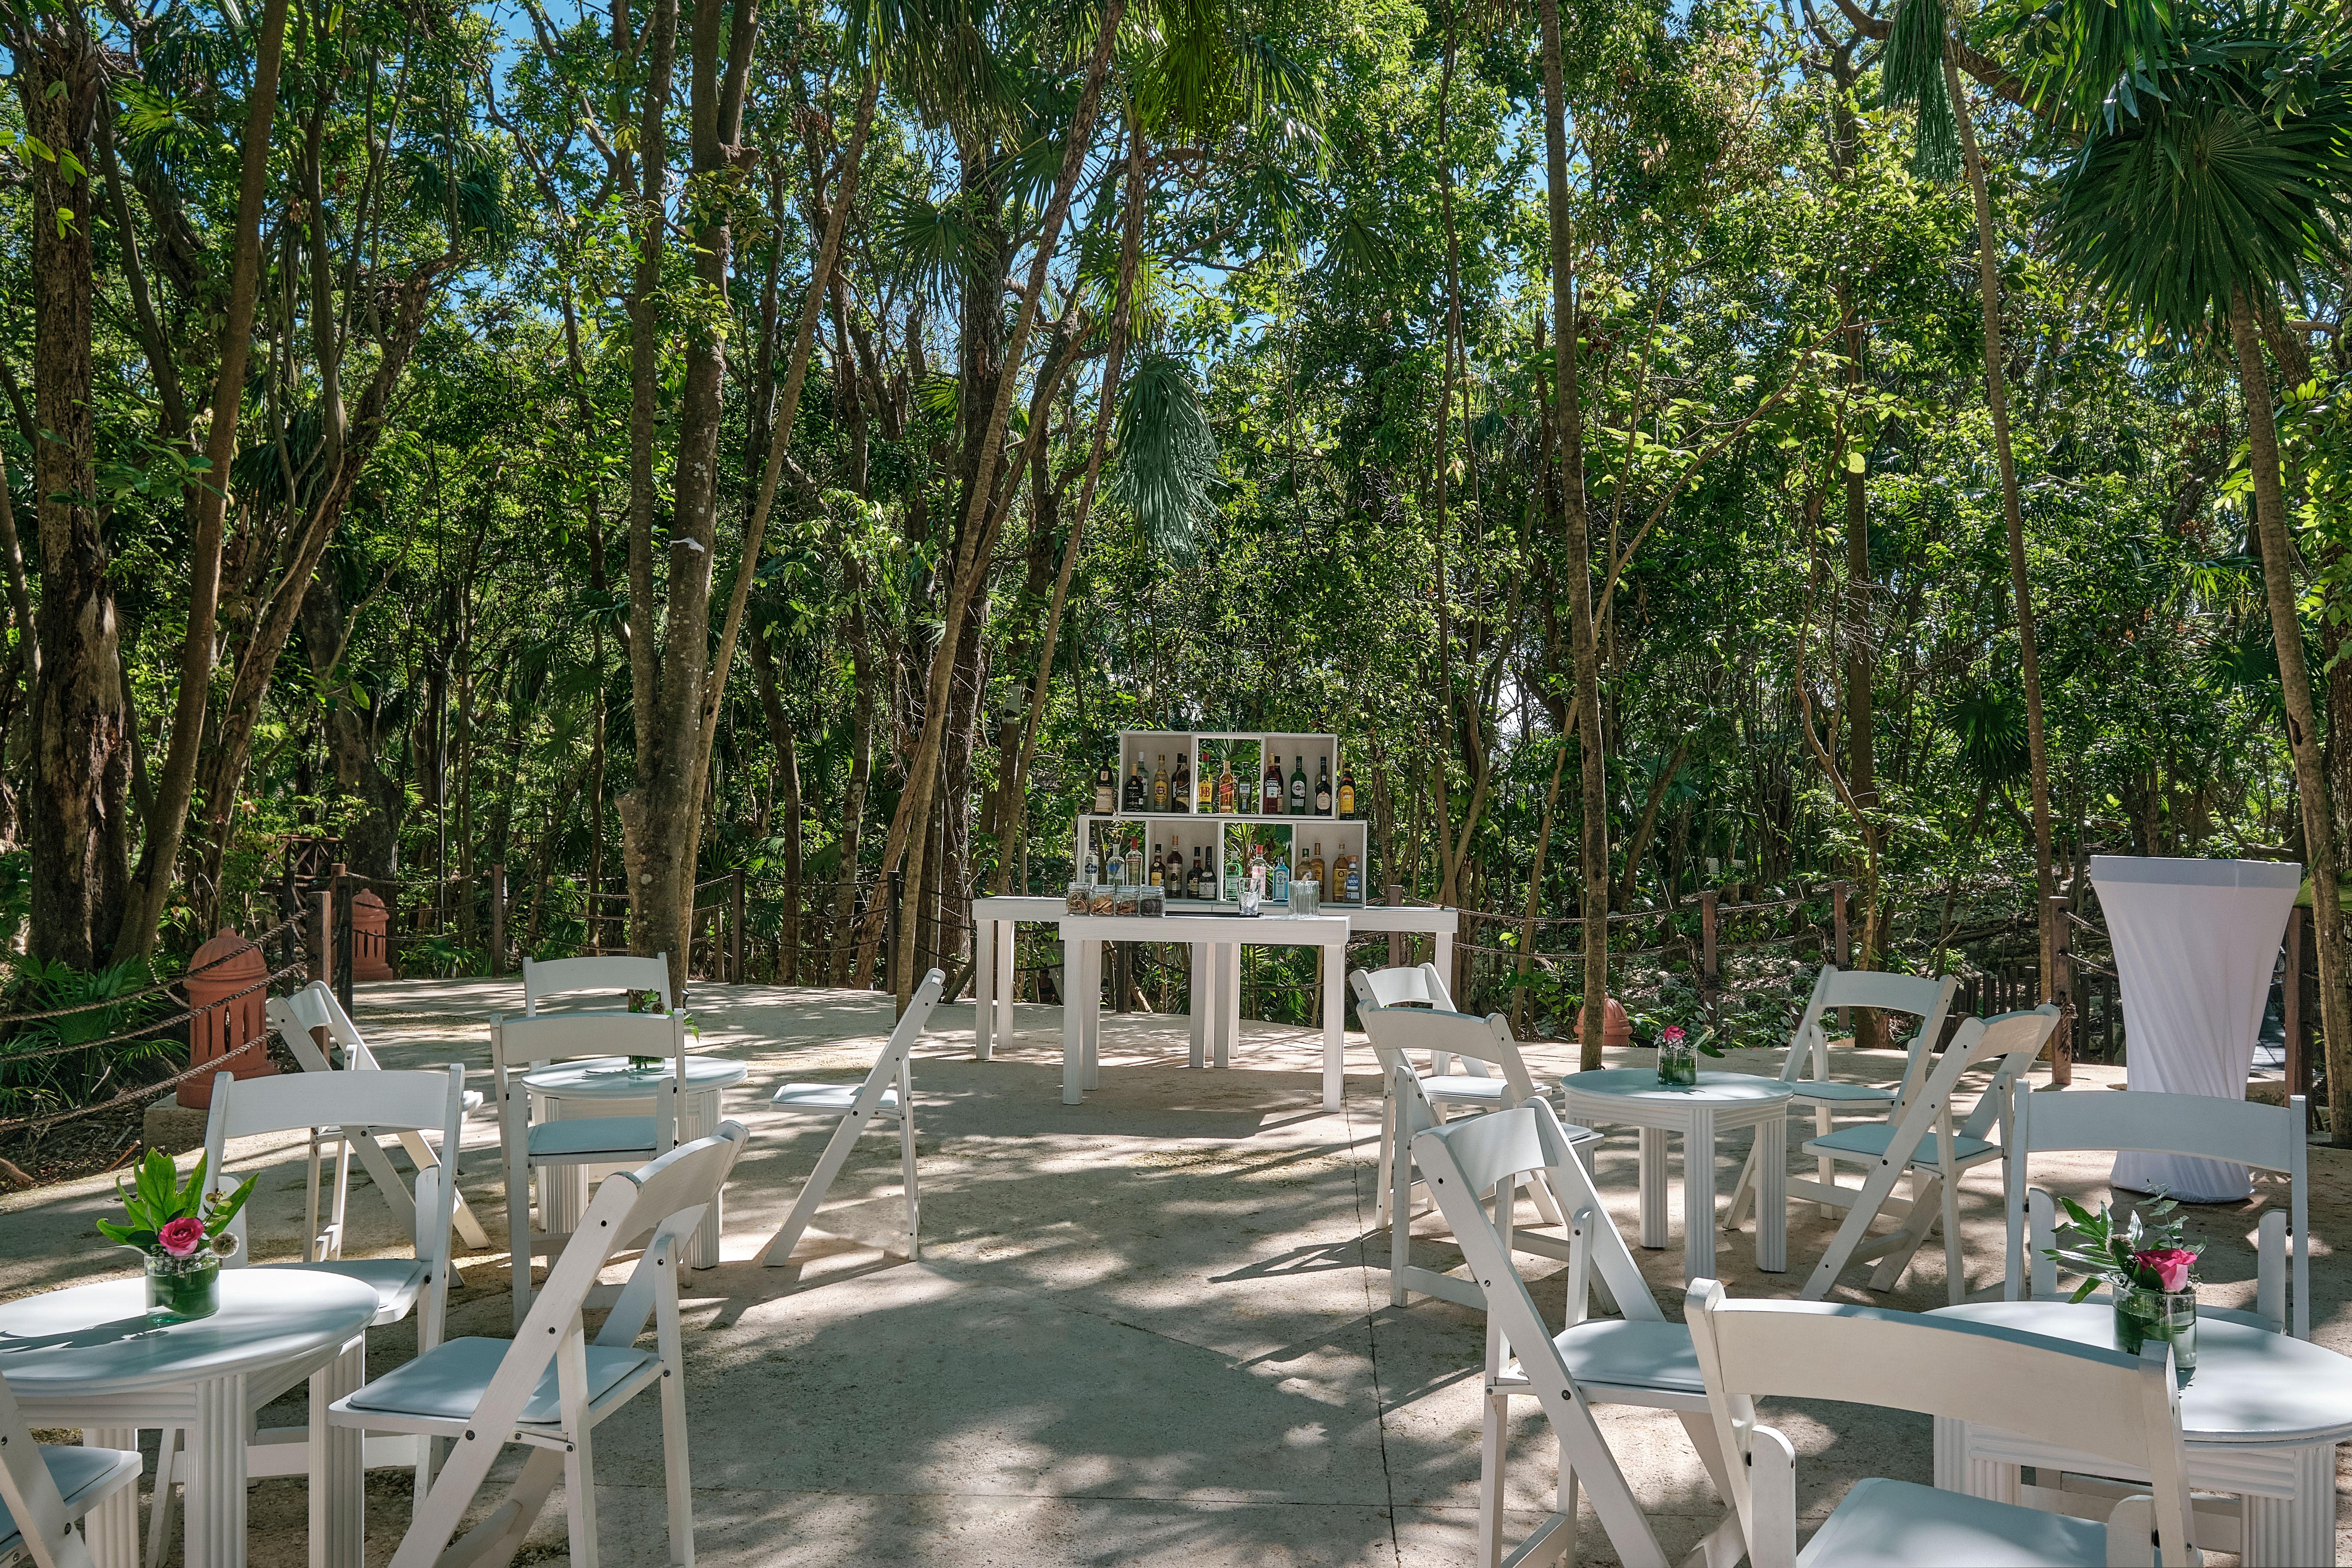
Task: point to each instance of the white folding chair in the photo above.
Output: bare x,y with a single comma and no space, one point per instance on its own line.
2123,1408
1638,1359
354,1105
886,1094
1395,1032
2267,1137
530,1144
1923,1144
549,1387
46,1489
1807,1068
617,974
299,1020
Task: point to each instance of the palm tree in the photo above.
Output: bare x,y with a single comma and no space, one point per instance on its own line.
2217,166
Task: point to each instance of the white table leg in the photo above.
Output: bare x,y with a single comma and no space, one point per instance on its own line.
1335,1045
337,1485
1772,1194
1008,941
1201,1001
1653,1186
2298,1529
1074,1048
983,985
214,1500
1698,1196
111,1529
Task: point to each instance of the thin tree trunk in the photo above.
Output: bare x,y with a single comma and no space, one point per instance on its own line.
2021,582
2302,720
1569,428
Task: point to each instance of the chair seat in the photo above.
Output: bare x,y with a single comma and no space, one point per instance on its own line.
447,1382
84,1477
1868,1141
1632,1354
592,1136
396,1281
1460,1088
1830,1091
835,1099
1901,1524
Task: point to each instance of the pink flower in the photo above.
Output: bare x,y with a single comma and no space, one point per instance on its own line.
2170,1265
1673,1035
182,1237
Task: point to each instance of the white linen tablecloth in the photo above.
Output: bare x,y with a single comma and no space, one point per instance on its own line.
2195,944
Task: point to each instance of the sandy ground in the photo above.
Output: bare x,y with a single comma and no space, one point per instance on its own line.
1151,1328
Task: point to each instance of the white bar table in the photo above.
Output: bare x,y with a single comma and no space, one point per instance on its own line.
88,1356
608,1086
994,922
2260,1418
1718,1102
1216,942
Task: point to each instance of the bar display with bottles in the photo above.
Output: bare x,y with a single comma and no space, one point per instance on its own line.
1288,799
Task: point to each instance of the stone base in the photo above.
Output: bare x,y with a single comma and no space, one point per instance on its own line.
174,1127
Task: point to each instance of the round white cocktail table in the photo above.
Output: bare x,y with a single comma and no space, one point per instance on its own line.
1718,1102
607,1086
88,1356
2260,1418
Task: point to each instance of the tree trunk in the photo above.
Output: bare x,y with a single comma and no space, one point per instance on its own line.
1593,838
2302,721
2021,582
77,807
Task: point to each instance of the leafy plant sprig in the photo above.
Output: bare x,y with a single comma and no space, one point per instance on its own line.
156,1198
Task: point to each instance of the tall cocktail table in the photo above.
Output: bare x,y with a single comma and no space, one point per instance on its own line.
88,1356
1718,1102
2260,1417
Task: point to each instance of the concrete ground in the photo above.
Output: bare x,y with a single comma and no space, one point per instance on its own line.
1151,1328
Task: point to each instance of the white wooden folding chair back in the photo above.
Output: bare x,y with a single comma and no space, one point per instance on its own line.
2266,1137
299,1020
2124,1408
46,1489
530,1144
1806,1066
488,1393
1475,1169
888,1095
615,975
1414,1104
1924,1144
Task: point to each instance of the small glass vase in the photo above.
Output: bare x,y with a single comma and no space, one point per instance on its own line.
180,1288
2142,1315
1677,1066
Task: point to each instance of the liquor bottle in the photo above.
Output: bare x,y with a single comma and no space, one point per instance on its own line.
1193,881
1138,791
1347,791
1225,787
1281,893
1156,870
1135,865
1180,786
1299,785
1323,787
1208,793
1273,802
1352,891
1160,786
1105,789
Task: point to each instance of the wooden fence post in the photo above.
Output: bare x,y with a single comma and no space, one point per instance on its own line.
1706,944
2060,941
2298,1061
735,924
497,920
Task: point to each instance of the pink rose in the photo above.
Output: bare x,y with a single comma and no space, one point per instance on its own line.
1673,1035
2170,1265
182,1237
